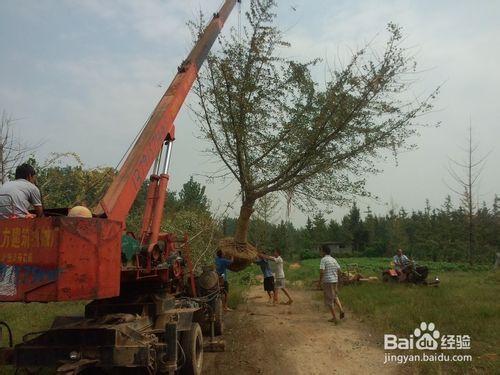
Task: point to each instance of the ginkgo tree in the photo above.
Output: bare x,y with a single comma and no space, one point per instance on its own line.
275,129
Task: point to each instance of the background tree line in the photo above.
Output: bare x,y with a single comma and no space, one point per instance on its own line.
437,234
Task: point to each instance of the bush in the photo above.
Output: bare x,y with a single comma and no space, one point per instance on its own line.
202,230
308,254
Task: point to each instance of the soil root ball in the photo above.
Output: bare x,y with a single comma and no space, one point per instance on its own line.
243,254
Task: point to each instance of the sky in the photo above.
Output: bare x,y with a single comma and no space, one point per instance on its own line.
84,75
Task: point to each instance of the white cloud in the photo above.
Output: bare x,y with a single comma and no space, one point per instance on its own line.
160,21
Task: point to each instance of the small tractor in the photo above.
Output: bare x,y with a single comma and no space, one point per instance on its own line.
411,273
148,311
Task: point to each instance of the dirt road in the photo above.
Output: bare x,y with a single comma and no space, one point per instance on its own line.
296,339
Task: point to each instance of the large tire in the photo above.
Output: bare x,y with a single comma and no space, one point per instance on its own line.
219,317
423,272
386,277
192,345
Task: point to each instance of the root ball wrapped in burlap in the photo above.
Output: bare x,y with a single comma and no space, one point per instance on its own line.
243,254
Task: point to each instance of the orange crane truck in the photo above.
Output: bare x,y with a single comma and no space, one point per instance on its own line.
148,312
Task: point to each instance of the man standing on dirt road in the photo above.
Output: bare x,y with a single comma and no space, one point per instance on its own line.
263,262
221,265
328,277
279,279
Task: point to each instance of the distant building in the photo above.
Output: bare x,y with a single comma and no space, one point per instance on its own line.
338,248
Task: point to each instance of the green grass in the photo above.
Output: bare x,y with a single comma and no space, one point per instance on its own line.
464,303
239,282
32,317
376,265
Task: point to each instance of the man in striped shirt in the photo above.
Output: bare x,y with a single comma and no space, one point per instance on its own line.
328,278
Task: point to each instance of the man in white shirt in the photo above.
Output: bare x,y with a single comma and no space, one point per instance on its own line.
279,282
400,260
279,277
328,278
401,263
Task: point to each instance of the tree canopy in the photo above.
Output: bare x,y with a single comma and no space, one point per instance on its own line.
275,129
192,196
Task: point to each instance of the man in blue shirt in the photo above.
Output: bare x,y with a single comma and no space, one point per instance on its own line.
263,262
221,265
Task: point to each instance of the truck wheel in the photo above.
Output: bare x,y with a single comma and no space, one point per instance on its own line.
219,318
192,345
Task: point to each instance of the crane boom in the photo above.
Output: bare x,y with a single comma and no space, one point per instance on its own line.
121,194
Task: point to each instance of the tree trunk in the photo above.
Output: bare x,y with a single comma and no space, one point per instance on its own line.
2,166
243,223
471,206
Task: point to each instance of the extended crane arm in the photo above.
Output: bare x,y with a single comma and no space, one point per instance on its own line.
121,194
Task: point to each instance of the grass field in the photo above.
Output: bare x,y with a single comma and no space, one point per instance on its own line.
466,302
33,317
24,318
